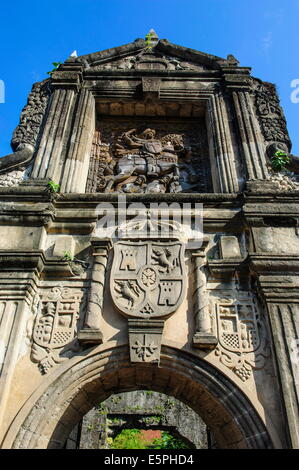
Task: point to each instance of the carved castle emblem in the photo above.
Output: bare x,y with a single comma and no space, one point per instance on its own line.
57,313
242,340
148,278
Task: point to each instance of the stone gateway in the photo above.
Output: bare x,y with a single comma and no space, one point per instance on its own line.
109,283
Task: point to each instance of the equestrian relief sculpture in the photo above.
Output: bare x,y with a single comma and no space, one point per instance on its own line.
141,163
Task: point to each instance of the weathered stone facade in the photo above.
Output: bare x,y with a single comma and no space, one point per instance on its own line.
85,313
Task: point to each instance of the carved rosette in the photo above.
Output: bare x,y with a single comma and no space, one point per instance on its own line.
242,342
147,284
55,326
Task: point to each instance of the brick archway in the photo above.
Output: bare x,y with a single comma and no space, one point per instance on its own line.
46,420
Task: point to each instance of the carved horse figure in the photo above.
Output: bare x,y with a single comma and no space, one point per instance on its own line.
149,157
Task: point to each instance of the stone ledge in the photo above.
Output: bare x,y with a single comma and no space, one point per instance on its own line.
204,340
90,336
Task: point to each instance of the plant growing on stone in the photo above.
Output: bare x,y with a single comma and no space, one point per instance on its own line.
52,187
56,65
67,256
167,441
279,161
148,38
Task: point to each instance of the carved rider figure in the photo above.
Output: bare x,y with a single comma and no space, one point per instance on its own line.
144,154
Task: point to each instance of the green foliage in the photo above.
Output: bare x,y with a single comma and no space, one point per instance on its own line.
67,256
279,161
154,420
128,439
167,441
148,38
115,420
90,427
132,439
52,187
56,65
159,409
169,403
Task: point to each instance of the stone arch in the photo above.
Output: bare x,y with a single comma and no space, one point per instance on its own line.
47,418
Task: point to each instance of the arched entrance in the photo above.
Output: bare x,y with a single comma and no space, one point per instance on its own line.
50,414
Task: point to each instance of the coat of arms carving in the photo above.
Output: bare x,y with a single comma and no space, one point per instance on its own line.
57,314
242,342
148,278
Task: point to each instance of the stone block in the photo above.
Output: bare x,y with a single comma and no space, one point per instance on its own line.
90,336
229,247
204,341
63,244
145,340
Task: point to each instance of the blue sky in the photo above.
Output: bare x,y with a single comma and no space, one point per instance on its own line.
262,34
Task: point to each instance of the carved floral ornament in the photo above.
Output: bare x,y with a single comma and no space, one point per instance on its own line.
270,114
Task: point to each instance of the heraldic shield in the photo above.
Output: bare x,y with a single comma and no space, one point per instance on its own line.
239,328
148,278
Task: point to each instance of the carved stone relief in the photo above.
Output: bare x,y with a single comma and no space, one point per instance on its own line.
147,278
157,159
147,60
32,115
242,344
284,180
270,114
13,178
57,314
145,340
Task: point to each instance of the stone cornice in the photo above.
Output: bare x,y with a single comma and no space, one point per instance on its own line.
273,263
34,261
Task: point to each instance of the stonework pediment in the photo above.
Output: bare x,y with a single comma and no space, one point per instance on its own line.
164,56
149,61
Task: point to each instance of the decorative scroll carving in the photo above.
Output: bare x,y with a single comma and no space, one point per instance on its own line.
155,287
270,114
32,115
149,161
146,60
242,338
55,326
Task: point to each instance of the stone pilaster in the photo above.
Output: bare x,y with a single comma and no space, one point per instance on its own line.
91,332
49,159
250,135
278,282
203,337
77,161
224,156
18,277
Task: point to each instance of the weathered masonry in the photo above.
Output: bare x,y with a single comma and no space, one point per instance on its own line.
202,308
